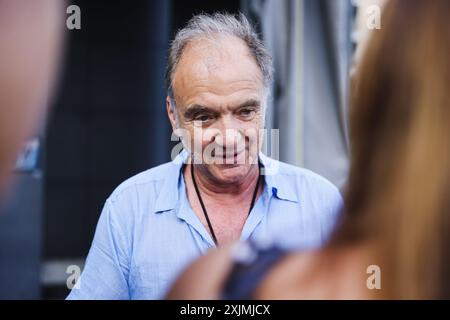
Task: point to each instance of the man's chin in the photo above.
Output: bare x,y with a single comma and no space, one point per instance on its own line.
229,173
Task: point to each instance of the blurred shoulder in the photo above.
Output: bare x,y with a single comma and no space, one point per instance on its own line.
330,273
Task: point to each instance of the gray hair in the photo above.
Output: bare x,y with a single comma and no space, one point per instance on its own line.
204,25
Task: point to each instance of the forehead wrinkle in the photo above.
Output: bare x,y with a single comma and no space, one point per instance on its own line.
226,107
198,79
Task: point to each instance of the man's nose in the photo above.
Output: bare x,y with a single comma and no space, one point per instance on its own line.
230,133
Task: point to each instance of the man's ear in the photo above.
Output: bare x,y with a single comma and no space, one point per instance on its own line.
171,113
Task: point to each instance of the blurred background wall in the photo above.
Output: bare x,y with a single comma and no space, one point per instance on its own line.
109,121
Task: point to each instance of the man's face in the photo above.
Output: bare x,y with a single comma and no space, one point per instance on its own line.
219,96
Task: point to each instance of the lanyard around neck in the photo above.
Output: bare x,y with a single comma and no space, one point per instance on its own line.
211,229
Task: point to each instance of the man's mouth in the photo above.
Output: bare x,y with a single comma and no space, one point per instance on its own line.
230,154
231,157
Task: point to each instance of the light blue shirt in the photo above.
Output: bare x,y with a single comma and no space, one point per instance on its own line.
148,233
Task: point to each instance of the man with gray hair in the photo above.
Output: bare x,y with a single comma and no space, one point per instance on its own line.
220,188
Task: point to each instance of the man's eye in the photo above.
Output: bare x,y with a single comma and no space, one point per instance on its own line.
247,112
202,118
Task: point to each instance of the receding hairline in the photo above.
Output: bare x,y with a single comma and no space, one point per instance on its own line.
216,42
214,26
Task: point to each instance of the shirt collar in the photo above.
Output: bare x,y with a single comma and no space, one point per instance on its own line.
282,186
169,195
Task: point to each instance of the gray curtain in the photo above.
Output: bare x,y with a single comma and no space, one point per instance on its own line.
310,43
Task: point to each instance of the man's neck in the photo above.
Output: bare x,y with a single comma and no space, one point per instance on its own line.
227,204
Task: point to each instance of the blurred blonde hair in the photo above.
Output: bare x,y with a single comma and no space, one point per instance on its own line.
398,191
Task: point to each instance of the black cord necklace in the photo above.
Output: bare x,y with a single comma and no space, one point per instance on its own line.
204,208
